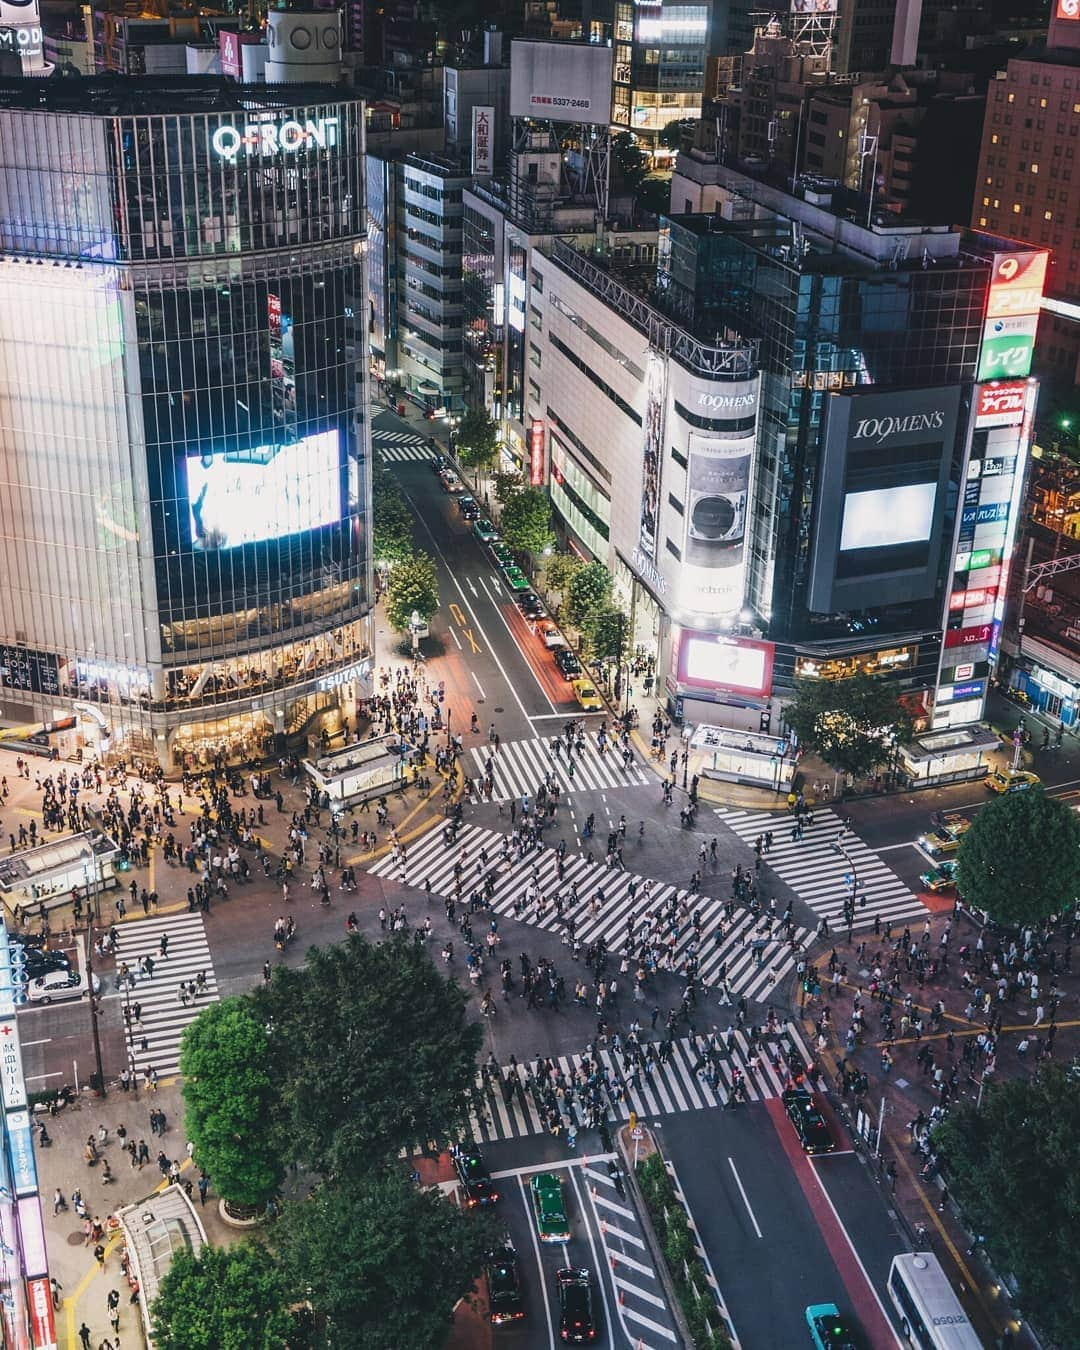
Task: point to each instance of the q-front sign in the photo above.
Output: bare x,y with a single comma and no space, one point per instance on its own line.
265,139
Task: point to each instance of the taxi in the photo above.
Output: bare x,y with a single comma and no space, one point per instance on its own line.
1012,780
940,878
586,695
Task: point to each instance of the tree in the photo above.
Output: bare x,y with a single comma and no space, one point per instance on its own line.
590,590
526,521
629,159
607,635
412,586
671,135
1013,1164
559,571
382,1261
506,485
654,194
996,868
228,1101
477,440
226,1298
370,1051
391,531
852,724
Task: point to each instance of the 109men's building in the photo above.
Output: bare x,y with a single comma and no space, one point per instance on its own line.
184,474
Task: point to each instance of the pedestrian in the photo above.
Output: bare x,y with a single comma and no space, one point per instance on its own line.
84,1336
99,1255
204,1182
57,1291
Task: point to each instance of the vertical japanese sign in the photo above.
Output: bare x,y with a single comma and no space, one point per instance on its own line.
483,140
537,467
1012,315
652,453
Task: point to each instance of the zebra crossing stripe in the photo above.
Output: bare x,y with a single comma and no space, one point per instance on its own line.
725,954
390,437
815,868
519,767
675,1086
400,453
164,1017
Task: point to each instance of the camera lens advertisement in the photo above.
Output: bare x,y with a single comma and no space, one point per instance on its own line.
717,502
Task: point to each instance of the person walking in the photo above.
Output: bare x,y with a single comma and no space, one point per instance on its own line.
84,1337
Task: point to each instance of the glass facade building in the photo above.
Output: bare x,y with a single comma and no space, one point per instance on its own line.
184,465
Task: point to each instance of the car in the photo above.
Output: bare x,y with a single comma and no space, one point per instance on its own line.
39,961
439,463
530,604
937,843
503,1286
830,1331
568,663
474,1177
577,1321
549,1209
940,878
586,695
58,984
502,555
515,578
549,635
484,530
1012,780
468,507
451,482
810,1126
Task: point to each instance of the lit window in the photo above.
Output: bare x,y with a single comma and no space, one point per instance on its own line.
1076,107
1012,98
986,201
997,202
1042,103
1016,208
994,139
982,220
1034,168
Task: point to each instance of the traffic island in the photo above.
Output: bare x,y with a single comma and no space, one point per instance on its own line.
673,1243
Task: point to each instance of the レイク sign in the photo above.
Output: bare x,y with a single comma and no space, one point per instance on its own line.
263,139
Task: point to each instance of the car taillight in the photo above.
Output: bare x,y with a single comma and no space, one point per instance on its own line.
494,1196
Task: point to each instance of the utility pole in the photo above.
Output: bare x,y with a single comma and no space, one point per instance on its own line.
95,1013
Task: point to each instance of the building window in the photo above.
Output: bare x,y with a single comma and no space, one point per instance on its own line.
1048,215
1034,168
1016,208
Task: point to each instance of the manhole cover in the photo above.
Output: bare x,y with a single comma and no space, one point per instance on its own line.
76,1239
500,709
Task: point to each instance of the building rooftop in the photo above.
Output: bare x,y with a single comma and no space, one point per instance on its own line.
128,96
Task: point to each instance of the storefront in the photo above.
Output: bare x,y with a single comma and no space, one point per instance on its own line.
882,662
47,875
948,756
743,757
1049,679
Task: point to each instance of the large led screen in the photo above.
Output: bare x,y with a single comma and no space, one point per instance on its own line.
888,516
246,496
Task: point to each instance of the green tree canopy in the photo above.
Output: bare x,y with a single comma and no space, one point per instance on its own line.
526,521
1018,860
228,1298
370,1050
224,1060
590,591
850,723
1013,1166
671,135
560,569
629,158
477,440
413,585
607,635
506,484
382,1261
391,530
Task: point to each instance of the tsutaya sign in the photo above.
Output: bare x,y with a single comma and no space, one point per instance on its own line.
275,138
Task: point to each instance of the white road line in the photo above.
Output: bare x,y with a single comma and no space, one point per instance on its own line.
536,1251
745,1199
478,684
37,1077
514,641
578,1189
469,583
890,848
547,1166
454,635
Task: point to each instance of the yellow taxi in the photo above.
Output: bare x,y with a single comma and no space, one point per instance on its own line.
1013,780
587,696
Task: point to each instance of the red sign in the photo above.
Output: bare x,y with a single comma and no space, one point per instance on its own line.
1016,283
1001,404
966,637
42,1322
536,453
1068,9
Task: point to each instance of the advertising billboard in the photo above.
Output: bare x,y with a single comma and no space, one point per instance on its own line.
1012,314
19,11
483,140
737,665
881,497
1067,9
1000,404
1016,283
711,579
1007,347
814,6
537,471
652,452
561,81
246,496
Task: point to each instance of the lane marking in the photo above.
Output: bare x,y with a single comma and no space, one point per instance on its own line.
530,1220
548,1166
453,634
575,1181
469,583
745,1199
478,685
517,645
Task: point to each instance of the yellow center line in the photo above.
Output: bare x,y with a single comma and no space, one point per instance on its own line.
970,1031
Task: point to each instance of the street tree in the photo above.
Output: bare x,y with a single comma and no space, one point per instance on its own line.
559,571
1012,1165
226,1298
590,591
607,635
228,1102
853,724
506,484
371,1051
995,865
526,521
382,1261
671,135
391,531
413,586
476,442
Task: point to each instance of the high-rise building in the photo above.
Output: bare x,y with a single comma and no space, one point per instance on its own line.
184,472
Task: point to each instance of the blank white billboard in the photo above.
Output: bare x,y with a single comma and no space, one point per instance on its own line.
561,81
888,516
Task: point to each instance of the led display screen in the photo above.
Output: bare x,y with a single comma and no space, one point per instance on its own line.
887,516
740,665
246,496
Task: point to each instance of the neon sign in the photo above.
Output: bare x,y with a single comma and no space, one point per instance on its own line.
264,139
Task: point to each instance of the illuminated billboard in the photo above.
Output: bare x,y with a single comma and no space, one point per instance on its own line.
1007,347
737,665
246,496
652,453
712,577
1012,314
561,81
1017,282
883,517
1000,404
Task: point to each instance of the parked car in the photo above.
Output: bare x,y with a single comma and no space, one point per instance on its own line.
502,555
568,663
810,1125
451,482
515,578
468,507
59,984
549,1208
577,1318
39,961
439,463
586,695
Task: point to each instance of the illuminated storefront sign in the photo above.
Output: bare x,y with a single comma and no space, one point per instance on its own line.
32,1237
536,453
1017,283
359,671
981,557
1012,315
964,637
1000,405
264,139
42,1322
21,1153
11,1070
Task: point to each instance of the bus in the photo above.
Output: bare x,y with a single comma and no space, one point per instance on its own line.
931,1317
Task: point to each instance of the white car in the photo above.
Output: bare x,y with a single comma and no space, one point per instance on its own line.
59,984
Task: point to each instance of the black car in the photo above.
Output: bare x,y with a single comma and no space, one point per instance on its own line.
504,1286
438,463
474,1177
469,508
39,962
810,1125
568,663
529,604
577,1324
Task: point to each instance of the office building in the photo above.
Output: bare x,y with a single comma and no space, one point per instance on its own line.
184,474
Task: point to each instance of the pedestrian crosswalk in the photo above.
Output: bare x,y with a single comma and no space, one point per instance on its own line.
162,1014
818,867
512,1108
519,767
747,957
401,445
